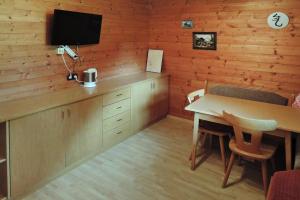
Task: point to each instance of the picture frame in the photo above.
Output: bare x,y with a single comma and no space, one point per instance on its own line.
205,40
187,24
154,60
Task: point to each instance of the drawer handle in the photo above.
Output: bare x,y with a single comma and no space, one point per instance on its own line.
119,120
69,113
119,107
118,95
119,132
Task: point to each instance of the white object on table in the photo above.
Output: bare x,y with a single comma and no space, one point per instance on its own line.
154,61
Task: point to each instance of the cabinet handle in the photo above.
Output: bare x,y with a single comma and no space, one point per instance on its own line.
119,120
119,107
118,95
119,132
62,114
69,112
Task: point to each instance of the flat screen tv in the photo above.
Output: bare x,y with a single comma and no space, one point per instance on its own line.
75,28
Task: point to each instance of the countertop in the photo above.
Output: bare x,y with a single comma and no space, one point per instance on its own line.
17,108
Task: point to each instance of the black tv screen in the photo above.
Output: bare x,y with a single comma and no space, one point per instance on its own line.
75,28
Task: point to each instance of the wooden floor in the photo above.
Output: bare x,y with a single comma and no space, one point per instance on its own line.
152,165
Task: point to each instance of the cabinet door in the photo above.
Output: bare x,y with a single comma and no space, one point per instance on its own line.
160,98
141,94
36,149
83,130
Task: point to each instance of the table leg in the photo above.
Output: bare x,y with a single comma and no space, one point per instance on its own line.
195,139
288,150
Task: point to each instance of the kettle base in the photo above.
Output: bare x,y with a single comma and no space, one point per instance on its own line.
91,84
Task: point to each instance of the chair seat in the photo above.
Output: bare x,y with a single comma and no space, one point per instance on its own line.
267,151
285,185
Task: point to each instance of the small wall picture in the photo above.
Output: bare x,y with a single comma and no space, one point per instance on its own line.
205,40
187,24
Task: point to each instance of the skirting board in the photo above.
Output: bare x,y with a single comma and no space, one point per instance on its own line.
179,118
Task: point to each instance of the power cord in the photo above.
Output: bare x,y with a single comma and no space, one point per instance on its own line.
71,72
63,58
76,79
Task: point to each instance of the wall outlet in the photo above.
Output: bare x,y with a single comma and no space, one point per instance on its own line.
72,76
60,51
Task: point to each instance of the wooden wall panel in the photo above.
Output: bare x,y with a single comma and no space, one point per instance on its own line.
29,66
248,52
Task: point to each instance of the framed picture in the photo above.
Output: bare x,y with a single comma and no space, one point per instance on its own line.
187,24
205,40
154,61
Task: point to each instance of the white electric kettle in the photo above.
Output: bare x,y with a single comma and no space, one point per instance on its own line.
90,77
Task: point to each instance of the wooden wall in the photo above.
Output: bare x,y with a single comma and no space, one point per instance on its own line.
248,51
28,65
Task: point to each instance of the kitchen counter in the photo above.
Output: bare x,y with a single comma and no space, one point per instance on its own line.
17,108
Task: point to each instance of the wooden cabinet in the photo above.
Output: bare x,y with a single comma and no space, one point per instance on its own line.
116,120
149,102
116,96
4,180
141,105
160,98
116,108
116,135
36,149
83,129
45,143
116,117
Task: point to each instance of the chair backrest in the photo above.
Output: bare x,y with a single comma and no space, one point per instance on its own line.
248,132
193,95
250,93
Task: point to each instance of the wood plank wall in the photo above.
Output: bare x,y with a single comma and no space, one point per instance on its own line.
248,52
29,65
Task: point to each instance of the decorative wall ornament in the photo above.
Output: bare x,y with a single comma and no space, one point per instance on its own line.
278,20
205,40
187,24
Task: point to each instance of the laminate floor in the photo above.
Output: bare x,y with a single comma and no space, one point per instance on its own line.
153,164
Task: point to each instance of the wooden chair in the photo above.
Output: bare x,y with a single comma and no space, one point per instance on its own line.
250,148
285,185
205,131
261,95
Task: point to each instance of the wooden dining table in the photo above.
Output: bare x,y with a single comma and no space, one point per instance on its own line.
210,108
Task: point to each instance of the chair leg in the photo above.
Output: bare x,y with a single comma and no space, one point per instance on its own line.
223,156
273,164
239,160
229,167
210,137
264,175
203,139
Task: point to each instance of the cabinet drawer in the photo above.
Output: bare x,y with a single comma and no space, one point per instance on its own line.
116,96
116,121
116,108
116,135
